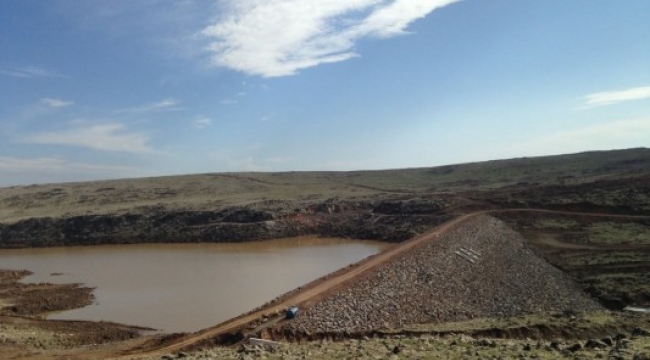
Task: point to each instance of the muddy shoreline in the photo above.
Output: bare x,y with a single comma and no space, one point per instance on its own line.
24,307
37,299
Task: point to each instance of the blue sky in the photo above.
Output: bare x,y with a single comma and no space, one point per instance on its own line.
100,89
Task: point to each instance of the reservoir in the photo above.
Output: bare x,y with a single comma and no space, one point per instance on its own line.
185,287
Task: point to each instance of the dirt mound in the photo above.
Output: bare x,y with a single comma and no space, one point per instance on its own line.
481,269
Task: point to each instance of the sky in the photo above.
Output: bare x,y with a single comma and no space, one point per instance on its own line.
99,89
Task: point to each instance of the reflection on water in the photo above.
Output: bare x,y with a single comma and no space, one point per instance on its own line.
185,287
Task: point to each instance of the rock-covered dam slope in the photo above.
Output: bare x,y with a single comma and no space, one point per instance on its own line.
438,282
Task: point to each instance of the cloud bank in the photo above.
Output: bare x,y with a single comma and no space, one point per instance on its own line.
615,97
103,137
272,38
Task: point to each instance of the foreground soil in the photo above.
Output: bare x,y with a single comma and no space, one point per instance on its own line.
594,335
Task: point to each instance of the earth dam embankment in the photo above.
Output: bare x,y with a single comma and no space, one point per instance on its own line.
480,269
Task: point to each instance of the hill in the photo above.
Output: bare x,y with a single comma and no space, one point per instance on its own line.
210,191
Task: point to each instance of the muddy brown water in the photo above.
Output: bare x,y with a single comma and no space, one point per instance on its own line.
185,287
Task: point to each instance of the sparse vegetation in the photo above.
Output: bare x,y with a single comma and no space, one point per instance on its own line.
609,256
618,233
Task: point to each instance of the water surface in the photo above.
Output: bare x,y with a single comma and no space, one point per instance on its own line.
185,287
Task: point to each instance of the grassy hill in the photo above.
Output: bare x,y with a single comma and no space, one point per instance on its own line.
209,191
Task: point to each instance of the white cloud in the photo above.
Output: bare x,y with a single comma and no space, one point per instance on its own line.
615,97
279,37
56,103
29,72
169,104
202,123
104,137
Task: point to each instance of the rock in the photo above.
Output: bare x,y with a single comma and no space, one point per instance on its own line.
641,356
556,345
595,344
575,347
622,344
620,336
486,342
608,341
615,355
527,347
397,349
466,339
